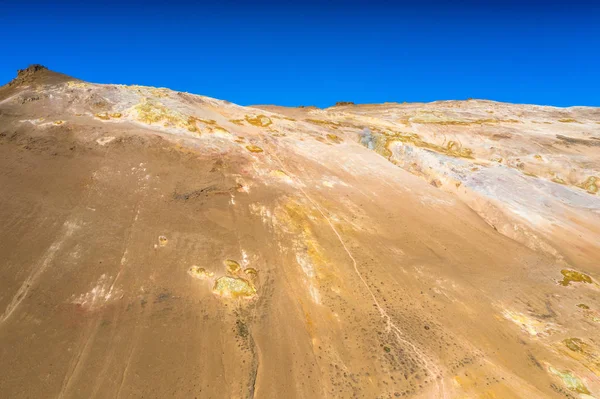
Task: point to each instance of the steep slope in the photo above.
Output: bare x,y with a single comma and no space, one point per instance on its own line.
159,243
531,172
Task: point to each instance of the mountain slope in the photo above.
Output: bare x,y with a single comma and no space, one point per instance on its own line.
159,243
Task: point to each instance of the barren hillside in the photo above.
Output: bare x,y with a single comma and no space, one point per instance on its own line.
163,244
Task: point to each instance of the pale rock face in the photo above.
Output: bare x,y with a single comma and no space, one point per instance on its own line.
440,250
526,169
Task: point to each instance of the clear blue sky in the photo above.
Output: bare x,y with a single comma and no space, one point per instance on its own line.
542,52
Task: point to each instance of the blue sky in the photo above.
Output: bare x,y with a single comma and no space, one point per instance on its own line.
310,53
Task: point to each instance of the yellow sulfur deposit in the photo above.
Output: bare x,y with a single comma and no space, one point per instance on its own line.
232,266
590,184
259,120
199,273
253,148
154,112
234,287
574,276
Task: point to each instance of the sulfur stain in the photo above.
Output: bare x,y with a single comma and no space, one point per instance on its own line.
232,266
162,241
582,352
259,120
310,325
251,272
445,121
102,115
76,84
234,287
329,124
590,184
574,276
279,173
160,92
105,116
592,315
58,123
253,148
456,149
219,130
299,220
384,139
530,325
334,138
571,381
199,273
153,112
574,344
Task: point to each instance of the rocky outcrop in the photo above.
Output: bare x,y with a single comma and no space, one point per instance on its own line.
37,74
